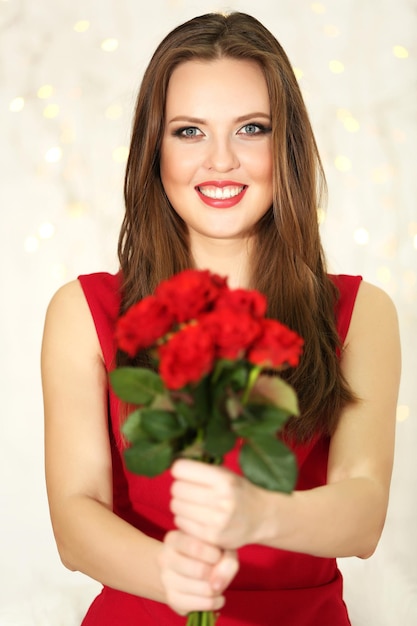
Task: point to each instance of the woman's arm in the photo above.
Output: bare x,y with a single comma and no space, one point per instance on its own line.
344,517
89,536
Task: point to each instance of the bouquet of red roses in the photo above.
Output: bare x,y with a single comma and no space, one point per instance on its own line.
209,346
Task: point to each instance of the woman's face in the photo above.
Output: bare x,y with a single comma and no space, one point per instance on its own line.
216,154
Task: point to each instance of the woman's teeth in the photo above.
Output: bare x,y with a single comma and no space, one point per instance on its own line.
221,193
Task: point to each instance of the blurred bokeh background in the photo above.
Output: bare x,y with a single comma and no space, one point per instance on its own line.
69,72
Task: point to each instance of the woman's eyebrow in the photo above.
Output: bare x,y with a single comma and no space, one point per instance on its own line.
241,118
186,118
257,114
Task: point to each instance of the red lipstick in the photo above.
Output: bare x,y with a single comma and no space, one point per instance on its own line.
221,194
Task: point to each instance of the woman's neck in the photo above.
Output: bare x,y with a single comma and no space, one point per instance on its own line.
225,258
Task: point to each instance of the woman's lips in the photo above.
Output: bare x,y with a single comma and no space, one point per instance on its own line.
221,194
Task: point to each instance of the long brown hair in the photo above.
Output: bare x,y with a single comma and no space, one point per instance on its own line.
288,263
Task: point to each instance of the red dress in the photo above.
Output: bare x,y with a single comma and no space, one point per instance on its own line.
273,587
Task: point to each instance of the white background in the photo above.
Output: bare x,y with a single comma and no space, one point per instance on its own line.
62,156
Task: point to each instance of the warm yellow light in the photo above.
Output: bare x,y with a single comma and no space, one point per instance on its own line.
321,215
59,271
45,91
81,26
383,174
51,111
336,67
351,125
400,52
109,45
318,7
384,274
361,236
77,208
114,112
46,230
412,228
410,278
67,134
31,244
298,73
403,412
17,104
53,155
343,163
342,114
331,30
120,154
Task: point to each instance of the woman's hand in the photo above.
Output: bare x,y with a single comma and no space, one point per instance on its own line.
194,573
216,505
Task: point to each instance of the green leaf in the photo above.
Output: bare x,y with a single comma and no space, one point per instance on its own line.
131,428
229,373
149,458
162,425
259,419
274,390
163,401
219,438
194,450
201,395
221,366
186,413
233,407
239,376
136,385
268,463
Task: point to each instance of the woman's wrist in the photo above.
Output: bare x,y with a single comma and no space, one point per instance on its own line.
272,510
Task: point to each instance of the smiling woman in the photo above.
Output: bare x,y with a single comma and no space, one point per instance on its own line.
216,153
223,175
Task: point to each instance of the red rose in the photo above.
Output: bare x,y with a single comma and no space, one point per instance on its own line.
142,325
276,346
232,332
190,292
243,301
186,357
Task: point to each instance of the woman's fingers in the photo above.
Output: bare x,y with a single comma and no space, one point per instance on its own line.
224,571
189,491
215,505
202,473
192,548
187,566
185,594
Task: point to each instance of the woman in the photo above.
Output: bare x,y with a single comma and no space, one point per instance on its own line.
223,174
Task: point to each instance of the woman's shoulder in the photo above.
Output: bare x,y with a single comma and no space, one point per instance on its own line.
361,287
69,328
360,304
374,311
100,287
371,297
90,304
68,295
68,307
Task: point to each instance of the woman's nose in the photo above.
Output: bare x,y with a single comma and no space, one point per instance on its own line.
221,156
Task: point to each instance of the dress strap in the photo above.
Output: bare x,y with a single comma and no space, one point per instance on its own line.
348,287
102,292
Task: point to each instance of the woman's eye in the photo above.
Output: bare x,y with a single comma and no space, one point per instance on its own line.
254,129
188,131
